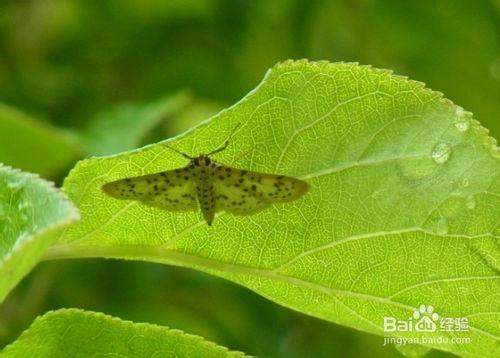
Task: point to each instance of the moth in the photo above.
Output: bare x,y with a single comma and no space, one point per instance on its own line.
211,186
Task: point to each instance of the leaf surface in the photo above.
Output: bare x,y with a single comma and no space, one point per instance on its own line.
404,206
33,215
77,333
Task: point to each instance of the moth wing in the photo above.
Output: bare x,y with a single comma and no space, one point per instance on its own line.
172,190
279,188
244,192
236,201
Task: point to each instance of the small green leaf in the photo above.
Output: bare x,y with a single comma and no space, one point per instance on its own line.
33,215
76,333
33,146
403,209
125,126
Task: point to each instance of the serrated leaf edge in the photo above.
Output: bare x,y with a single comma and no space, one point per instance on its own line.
91,314
74,214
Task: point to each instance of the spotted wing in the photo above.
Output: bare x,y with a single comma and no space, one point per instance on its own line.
244,192
172,190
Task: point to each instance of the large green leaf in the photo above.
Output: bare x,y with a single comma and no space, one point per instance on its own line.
77,333
403,211
31,145
33,215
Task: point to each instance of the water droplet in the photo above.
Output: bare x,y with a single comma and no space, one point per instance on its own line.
379,194
441,153
462,124
463,121
432,276
442,226
495,150
416,169
470,202
459,111
465,182
495,68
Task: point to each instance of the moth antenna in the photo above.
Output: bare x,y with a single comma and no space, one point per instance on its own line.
179,152
226,142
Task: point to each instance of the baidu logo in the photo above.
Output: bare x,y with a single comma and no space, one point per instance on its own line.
425,319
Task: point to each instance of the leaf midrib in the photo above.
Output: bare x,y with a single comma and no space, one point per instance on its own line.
189,228
163,255
324,172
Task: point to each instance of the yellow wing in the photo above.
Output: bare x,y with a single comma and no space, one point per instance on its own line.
244,192
172,190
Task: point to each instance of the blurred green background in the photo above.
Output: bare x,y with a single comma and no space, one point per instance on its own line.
91,77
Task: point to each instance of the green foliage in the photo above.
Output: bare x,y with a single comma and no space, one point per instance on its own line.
32,217
100,70
77,333
71,59
403,209
409,37
125,127
28,144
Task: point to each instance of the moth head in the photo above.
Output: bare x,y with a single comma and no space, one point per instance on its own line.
202,160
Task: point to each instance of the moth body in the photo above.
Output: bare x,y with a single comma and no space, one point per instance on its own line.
211,186
205,191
